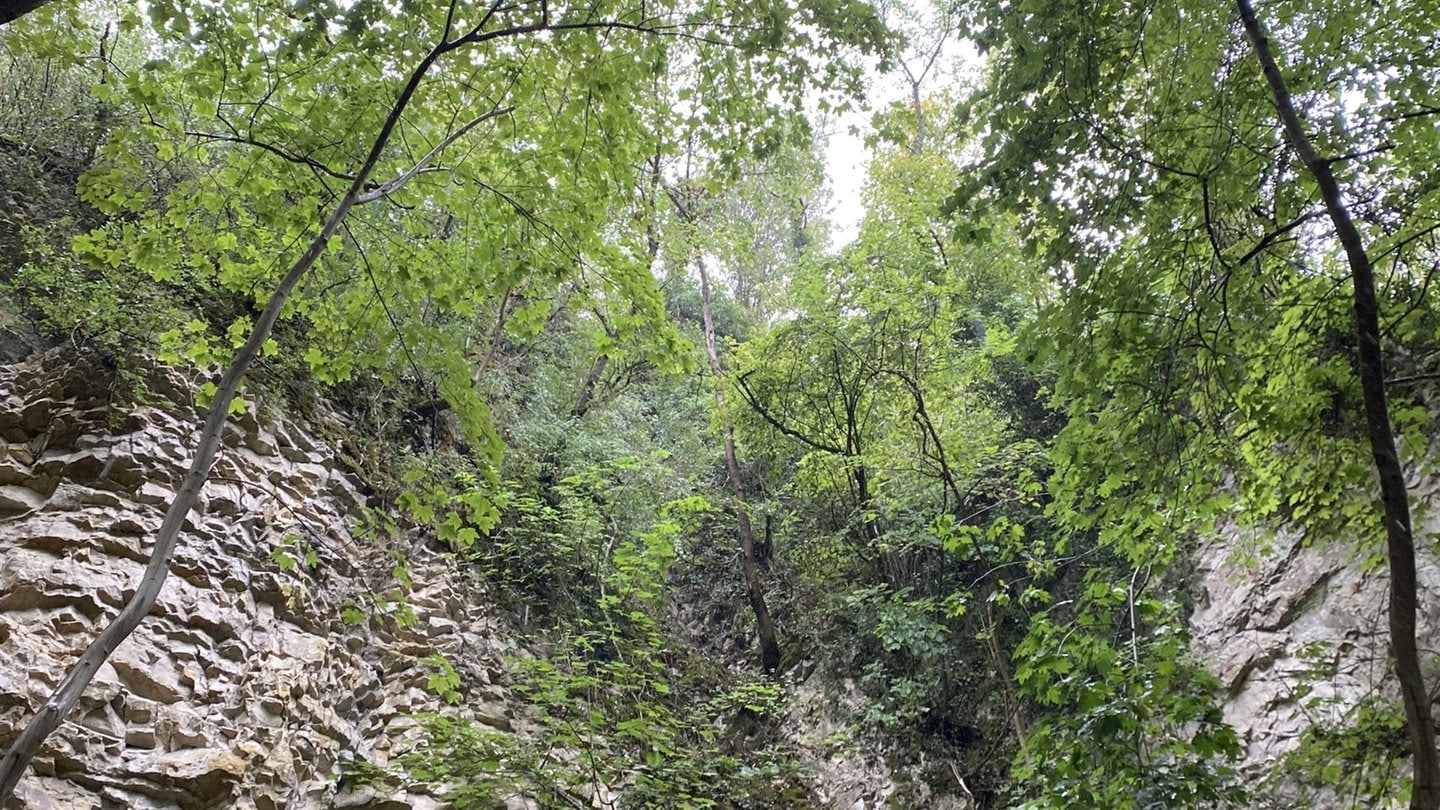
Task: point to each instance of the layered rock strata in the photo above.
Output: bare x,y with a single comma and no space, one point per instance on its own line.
244,687
1297,631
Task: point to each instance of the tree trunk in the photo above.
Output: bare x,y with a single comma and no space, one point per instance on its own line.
1012,698
1400,541
16,10
157,570
754,591
919,109
766,546
587,389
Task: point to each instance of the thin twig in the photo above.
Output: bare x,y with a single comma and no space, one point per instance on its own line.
391,186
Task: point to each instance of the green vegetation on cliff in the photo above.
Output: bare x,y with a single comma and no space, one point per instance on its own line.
1160,271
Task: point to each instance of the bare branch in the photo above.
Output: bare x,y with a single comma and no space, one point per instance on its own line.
1270,238
387,188
290,157
754,402
495,335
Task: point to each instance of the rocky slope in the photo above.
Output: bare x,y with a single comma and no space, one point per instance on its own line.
244,688
1296,630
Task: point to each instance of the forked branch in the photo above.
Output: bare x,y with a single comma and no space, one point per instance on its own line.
391,186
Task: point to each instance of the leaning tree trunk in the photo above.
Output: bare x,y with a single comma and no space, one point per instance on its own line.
14,10
1399,537
157,570
754,590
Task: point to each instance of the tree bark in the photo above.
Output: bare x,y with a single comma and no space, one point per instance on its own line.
754,590
1399,537
10,11
1012,698
587,389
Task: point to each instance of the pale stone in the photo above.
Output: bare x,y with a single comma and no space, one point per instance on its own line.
1289,614
494,716
206,774
48,793
11,470
232,693
15,498
146,673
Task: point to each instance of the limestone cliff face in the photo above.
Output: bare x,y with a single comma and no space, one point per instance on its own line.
243,688
1297,632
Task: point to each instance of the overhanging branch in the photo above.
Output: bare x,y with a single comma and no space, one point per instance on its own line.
754,403
389,187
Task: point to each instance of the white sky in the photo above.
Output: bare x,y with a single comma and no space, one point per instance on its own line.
847,160
846,164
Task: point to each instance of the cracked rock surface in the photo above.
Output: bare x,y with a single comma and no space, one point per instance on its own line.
1296,630
243,688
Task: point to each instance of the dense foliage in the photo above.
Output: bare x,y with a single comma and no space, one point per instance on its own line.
1094,310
